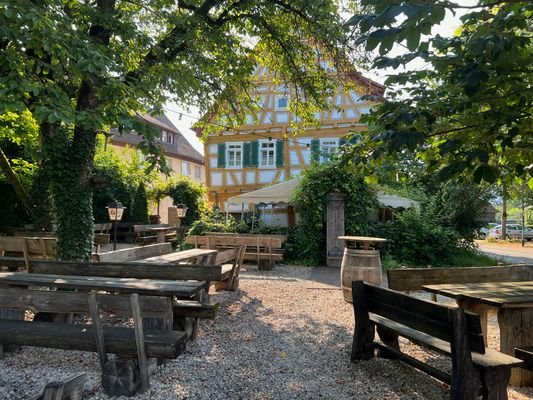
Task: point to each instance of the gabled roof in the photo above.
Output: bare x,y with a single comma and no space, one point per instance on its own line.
181,148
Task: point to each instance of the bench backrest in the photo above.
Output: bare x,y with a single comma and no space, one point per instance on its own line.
102,228
146,228
406,279
212,241
135,253
129,270
424,316
44,246
77,302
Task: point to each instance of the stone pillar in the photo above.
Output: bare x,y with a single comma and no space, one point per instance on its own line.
334,229
173,219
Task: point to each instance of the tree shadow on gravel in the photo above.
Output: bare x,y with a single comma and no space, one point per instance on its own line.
256,351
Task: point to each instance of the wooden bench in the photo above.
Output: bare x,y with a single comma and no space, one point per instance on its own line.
146,236
231,261
22,249
412,279
525,354
134,253
131,342
186,313
449,331
264,249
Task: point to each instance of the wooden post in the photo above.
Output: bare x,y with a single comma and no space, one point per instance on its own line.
98,328
364,330
465,378
334,229
139,338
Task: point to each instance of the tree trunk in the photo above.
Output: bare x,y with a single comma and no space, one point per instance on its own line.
504,215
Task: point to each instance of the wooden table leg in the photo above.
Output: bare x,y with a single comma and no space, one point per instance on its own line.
516,330
481,309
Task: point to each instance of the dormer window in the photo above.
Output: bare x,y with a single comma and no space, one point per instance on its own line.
167,137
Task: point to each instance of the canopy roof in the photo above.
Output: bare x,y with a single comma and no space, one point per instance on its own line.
282,192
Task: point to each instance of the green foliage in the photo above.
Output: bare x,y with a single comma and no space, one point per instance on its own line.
185,191
310,201
13,212
128,182
80,67
213,221
468,112
415,238
140,206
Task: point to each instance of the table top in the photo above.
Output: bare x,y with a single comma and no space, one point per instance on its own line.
496,294
180,256
362,239
154,287
162,228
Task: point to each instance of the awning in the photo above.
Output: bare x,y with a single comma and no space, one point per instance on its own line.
282,193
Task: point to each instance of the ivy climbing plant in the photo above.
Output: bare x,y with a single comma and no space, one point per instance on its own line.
310,202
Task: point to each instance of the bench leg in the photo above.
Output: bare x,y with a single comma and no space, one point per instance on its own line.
364,331
495,382
390,338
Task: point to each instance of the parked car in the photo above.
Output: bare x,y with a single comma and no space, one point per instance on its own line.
513,231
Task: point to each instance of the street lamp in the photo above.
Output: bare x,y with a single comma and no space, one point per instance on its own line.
181,211
115,211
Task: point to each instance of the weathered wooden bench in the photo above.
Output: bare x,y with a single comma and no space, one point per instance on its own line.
231,261
264,249
526,355
130,342
134,253
146,236
22,249
449,331
186,313
412,279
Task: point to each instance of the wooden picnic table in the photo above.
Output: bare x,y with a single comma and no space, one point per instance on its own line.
513,302
196,256
155,287
161,231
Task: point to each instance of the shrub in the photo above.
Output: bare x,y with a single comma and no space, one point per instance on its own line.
183,190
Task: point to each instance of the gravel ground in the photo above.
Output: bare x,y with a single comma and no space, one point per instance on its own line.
281,336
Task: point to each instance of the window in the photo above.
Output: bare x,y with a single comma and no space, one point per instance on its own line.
167,137
185,168
267,154
197,172
328,147
234,155
281,102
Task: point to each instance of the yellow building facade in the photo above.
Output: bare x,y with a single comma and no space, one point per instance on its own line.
181,156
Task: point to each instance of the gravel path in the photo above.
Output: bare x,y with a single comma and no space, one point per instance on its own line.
282,336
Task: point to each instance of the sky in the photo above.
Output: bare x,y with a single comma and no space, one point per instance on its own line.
188,118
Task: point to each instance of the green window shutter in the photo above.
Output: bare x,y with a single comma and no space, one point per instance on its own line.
246,150
315,150
254,154
279,153
221,159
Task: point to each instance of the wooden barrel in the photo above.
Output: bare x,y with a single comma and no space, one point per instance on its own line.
359,265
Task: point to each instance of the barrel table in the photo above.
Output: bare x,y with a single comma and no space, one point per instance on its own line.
360,261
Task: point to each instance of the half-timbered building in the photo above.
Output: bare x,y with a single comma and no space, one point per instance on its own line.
265,150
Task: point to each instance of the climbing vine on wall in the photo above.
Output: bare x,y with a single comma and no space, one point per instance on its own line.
307,242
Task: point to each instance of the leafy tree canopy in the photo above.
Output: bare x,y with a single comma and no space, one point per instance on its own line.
80,67
468,111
